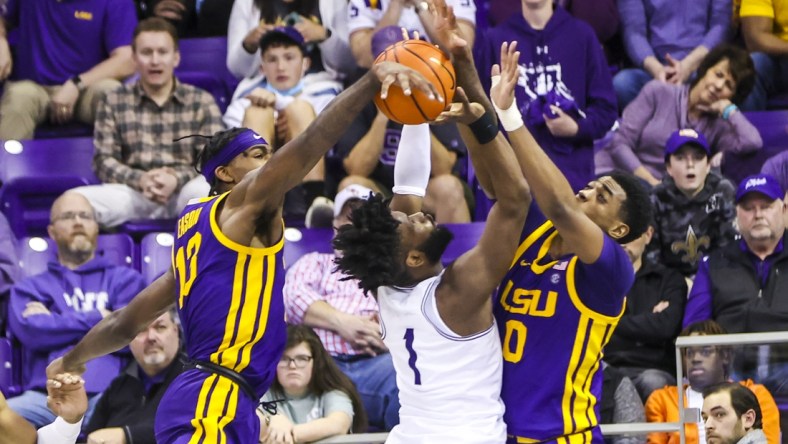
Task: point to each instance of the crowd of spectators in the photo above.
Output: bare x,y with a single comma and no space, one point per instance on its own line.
664,84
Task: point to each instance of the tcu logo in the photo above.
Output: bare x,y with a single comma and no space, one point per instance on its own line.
754,182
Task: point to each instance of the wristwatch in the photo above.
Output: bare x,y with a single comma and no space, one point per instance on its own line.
77,81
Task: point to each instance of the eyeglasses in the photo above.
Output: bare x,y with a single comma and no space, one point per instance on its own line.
73,215
703,351
300,361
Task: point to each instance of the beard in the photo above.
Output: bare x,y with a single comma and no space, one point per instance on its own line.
156,357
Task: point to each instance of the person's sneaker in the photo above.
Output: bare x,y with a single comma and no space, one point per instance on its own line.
320,214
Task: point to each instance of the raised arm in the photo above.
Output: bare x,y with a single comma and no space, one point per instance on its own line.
119,328
550,188
468,283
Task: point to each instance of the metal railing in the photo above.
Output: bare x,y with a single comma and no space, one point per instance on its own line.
685,415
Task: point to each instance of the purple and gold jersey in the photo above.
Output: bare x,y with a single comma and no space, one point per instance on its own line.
554,317
228,297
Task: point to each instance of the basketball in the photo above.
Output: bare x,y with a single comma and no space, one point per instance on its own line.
433,64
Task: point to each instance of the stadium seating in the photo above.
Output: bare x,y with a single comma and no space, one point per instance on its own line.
300,241
34,172
9,384
203,65
773,126
35,252
155,255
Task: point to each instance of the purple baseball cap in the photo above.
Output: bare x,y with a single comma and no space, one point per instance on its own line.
760,183
683,137
281,33
385,37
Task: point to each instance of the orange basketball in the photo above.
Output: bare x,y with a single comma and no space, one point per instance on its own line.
433,64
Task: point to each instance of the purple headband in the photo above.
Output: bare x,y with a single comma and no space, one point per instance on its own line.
242,142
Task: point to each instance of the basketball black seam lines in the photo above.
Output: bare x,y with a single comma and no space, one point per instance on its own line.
412,98
445,96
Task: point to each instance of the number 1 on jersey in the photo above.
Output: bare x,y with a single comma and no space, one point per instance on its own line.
412,355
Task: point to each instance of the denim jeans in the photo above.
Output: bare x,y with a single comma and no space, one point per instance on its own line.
32,406
376,382
771,79
628,83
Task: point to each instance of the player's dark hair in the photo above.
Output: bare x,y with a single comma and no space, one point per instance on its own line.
369,246
740,64
214,146
636,209
436,243
326,375
742,400
269,13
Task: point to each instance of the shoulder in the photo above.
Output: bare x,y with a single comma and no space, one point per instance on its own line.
656,87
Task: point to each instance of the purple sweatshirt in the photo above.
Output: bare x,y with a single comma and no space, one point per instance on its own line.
564,58
9,269
660,109
657,27
73,298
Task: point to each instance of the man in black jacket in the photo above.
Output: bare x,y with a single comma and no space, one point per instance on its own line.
127,409
739,286
642,344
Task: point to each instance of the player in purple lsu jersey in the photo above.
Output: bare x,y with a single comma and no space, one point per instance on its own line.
225,280
564,293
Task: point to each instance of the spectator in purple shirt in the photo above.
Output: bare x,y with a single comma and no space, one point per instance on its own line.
66,55
667,39
51,311
707,105
739,286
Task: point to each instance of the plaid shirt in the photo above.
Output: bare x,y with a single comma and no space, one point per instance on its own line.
134,135
311,279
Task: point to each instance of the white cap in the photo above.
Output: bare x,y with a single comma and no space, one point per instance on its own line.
350,192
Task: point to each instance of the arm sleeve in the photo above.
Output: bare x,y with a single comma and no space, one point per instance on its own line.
46,332
120,24
737,135
757,8
657,327
243,17
699,301
361,16
412,165
108,158
656,411
302,287
635,27
601,106
59,432
725,232
769,412
337,401
719,24
636,116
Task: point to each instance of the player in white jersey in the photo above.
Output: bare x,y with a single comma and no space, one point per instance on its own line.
438,323
367,16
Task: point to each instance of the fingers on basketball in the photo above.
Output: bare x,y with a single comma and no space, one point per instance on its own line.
434,66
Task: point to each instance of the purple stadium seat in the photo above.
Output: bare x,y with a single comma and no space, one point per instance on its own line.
203,64
300,241
139,228
773,127
155,255
466,236
34,172
778,102
35,252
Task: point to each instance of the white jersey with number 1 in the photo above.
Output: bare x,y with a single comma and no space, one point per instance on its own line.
449,385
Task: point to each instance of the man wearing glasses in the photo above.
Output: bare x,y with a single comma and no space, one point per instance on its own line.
51,311
705,367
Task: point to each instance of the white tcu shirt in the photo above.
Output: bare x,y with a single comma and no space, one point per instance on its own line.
449,385
365,14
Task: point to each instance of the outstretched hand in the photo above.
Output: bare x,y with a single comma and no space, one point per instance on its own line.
504,77
57,367
462,111
446,29
392,73
66,397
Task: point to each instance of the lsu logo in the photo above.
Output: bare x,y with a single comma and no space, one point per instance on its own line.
689,132
83,15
